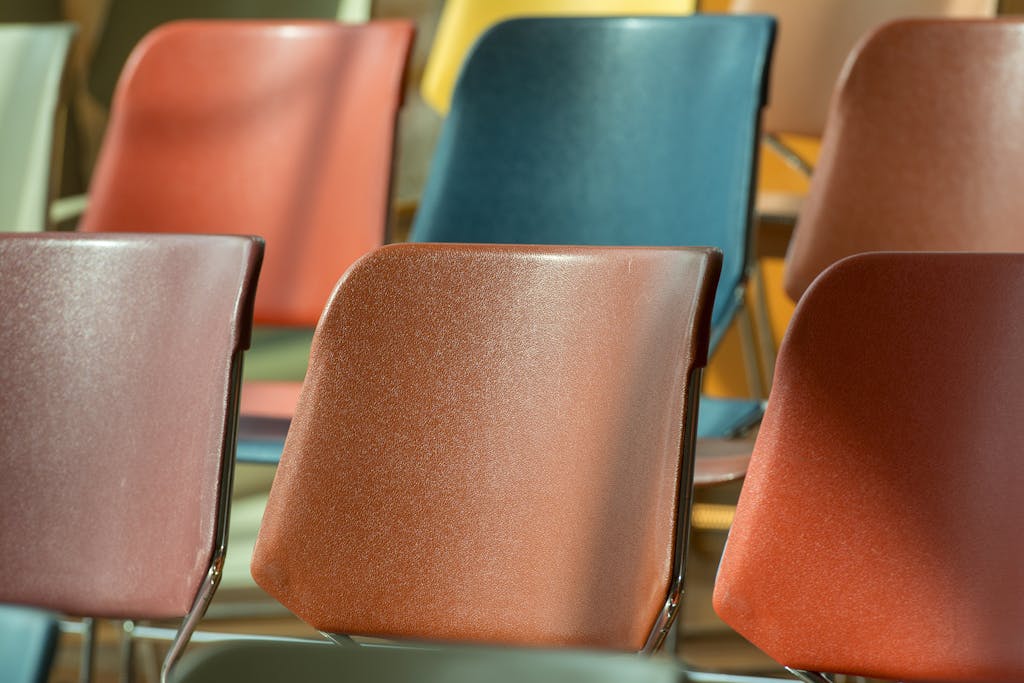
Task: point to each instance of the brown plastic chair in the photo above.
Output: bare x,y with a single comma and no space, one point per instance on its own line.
924,150
283,129
814,41
120,373
494,444
878,529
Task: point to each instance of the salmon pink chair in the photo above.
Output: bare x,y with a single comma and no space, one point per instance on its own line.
283,129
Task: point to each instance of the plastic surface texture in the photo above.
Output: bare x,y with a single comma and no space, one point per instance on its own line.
815,39
489,445
281,129
877,531
462,22
117,377
28,638
275,662
617,131
32,60
924,150
125,23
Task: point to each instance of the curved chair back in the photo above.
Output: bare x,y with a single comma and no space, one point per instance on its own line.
876,534
923,150
32,58
282,129
125,23
494,444
462,22
814,41
614,131
117,418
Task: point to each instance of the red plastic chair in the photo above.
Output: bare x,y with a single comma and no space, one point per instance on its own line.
878,531
281,129
120,372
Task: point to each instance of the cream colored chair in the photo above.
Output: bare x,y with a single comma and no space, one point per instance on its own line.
32,59
463,21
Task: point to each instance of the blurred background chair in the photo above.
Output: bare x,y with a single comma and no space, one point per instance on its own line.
877,532
283,129
815,39
110,29
922,151
116,428
609,131
32,59
494,444
256,662
462,22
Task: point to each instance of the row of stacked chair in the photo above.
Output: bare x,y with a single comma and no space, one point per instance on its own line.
485,197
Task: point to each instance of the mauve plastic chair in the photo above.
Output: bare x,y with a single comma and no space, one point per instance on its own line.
120,370
260,662
282,129
32,58
462,22
923,150
494,444
611,130
878,529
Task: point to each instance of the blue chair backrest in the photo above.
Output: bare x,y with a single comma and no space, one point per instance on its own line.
610,130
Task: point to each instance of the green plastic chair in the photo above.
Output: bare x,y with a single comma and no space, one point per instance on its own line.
32,59
280,662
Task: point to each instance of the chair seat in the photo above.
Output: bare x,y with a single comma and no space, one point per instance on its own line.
265,414
720,461
725,417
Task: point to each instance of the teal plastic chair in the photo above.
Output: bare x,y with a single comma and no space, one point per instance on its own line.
32,59
609,131
28,638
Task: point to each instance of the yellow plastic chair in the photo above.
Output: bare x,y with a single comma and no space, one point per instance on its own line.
463,21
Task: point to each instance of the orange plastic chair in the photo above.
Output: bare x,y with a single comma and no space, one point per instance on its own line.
923,150
121,369
462,22
878,529
494,444
282,129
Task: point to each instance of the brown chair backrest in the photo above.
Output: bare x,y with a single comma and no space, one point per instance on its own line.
878,529
119,376
814,40
924,149
491,445
283,129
